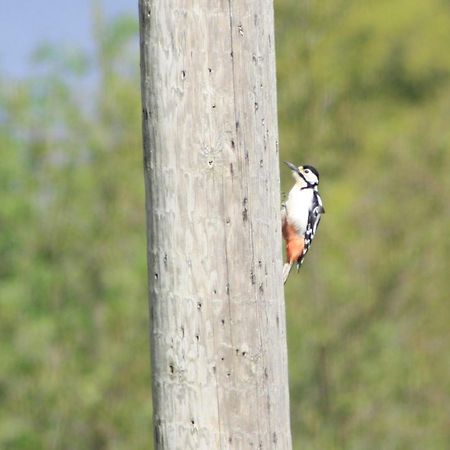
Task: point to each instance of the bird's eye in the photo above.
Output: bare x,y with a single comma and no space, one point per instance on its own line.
307,171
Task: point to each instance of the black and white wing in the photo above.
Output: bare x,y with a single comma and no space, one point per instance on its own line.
314,216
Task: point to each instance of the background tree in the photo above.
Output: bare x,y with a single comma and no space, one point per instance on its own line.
72,290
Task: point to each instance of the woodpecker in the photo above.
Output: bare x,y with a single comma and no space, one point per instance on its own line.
300,215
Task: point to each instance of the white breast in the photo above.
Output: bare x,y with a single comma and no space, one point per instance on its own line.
297,208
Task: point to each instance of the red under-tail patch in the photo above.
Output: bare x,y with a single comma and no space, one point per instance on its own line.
294,243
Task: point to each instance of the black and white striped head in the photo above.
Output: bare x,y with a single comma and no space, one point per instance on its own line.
305,175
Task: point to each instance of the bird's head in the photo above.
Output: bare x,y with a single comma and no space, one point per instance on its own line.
304,175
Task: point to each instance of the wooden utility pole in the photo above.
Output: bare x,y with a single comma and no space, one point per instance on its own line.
218,334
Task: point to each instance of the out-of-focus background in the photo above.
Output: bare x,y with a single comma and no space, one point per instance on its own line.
364,95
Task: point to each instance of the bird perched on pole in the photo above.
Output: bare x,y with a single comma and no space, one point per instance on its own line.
300,215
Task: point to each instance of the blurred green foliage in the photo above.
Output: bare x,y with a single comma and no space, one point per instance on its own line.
364,94
74,323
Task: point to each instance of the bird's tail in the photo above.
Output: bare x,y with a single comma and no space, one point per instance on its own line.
286,270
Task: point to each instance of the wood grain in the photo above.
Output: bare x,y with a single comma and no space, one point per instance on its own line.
218,334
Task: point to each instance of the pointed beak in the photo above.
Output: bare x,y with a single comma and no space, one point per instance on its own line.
292,167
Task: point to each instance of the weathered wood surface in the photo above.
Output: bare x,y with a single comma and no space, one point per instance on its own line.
218,334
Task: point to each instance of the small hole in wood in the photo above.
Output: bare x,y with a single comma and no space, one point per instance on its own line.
244,209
